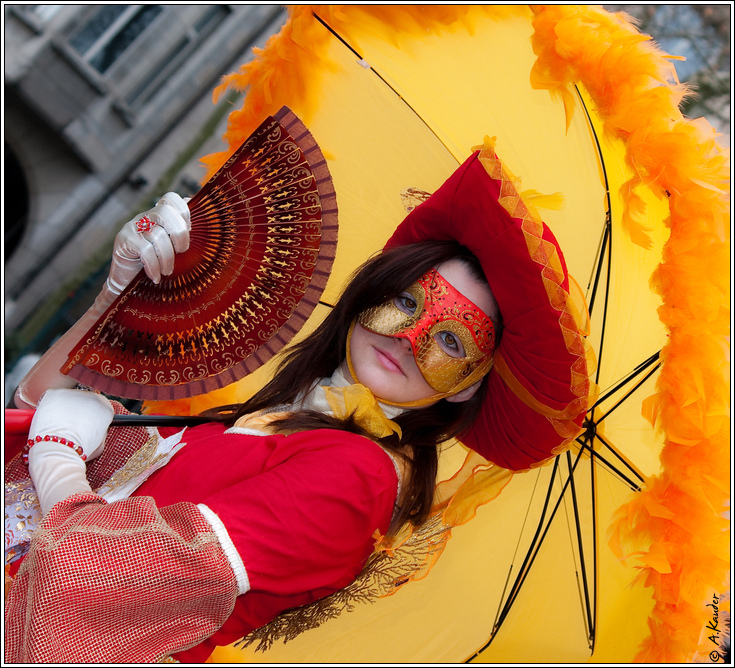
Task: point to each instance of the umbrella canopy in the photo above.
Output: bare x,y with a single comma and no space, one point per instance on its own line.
582,105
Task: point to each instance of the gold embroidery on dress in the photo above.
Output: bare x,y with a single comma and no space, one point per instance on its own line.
137,463
393,564
397,560
22,496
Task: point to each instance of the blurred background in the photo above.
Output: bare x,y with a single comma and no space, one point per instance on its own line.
107,107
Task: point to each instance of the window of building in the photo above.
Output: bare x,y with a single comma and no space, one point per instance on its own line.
152,81
35,17
45,12
110,31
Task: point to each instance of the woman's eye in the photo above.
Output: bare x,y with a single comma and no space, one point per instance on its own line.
451,344
406,304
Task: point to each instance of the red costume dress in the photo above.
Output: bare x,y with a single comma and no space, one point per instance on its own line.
233,530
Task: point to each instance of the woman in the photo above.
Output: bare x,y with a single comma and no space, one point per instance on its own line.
284,494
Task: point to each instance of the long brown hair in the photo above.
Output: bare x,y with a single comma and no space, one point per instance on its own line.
317,356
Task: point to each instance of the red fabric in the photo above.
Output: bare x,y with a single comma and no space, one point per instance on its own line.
300,509
117,582
17,424
466,209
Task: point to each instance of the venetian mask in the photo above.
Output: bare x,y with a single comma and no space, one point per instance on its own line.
452,339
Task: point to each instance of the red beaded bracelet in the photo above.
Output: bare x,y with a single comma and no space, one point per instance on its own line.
55,439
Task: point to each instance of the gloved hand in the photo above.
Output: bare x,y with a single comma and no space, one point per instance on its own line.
57,470
76,415
150,241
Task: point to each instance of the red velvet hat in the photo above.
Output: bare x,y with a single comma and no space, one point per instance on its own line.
540,387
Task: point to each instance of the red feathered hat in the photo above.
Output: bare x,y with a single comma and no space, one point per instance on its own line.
540,387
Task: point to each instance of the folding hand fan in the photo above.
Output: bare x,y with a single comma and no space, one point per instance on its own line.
263,239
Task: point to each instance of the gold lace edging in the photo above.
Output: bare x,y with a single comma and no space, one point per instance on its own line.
397,560
387,570
573,315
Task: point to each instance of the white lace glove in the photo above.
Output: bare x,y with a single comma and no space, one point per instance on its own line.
150,241
57,470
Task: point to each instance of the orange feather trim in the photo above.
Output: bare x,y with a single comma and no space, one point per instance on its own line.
678,522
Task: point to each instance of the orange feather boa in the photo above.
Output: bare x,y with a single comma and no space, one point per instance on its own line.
678,522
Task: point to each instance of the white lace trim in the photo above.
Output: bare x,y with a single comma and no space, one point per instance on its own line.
233,556
246,430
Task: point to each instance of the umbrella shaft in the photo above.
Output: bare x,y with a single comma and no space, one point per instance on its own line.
158,420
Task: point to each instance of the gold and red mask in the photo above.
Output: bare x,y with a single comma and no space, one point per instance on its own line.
452,339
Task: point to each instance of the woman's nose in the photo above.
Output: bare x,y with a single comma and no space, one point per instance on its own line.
404,343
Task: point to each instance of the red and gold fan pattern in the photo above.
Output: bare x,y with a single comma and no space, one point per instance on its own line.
263,239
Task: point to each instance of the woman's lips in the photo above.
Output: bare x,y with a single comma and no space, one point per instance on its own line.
388,361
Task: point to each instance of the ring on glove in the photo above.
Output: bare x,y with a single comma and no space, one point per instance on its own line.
55,439
144,224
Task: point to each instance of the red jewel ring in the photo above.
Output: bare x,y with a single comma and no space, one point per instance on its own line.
144,224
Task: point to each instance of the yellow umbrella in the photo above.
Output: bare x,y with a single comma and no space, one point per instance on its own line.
582,105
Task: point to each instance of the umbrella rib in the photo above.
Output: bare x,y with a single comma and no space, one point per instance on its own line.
638,370
576,567
613,469
338,36
515,553
504,609
633,389
607,235
598,264
604,309
533,550
606,245
541,521
634,486
586,439
595,560
608,214
377,74
589,621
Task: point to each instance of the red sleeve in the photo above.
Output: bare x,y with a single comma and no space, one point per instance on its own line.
307,521
110,582
304,529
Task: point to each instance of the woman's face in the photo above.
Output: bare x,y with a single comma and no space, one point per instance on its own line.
386,364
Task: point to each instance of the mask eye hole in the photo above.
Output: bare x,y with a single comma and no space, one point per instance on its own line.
450,344
405,303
